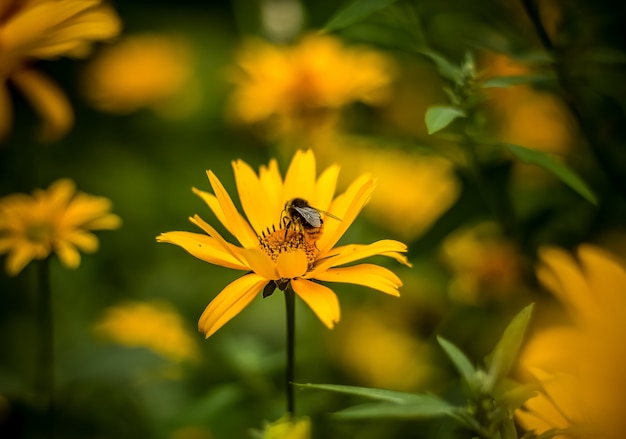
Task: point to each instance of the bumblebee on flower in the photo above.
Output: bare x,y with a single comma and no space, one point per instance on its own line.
279,253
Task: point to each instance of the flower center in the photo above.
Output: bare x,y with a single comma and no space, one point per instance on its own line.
39,233
282,240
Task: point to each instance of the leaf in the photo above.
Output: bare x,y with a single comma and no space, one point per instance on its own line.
508,81
501,359
424,406
355,12
440,116
550,164
380,394
446,68
462,363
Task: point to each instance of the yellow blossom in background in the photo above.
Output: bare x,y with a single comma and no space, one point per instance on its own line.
300,88
151,325
288,428
46,29
382,355
485,266
414,189
278,253
144,71
57,220
582,366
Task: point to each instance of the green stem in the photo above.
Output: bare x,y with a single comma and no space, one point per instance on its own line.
290,302
45,355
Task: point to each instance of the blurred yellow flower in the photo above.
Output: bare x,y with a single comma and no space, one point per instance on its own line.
55,220
526,116
46,29
414,189
485,266
155,326
288,427
279,252
144,70
383,354
582,367
300,88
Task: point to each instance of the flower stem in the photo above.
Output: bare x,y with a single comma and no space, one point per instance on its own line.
290,301
45,355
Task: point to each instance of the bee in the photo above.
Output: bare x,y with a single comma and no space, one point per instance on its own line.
306,218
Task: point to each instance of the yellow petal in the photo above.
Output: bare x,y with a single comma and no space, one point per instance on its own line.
19,258
272,184
229,302
300,177
260,263
354,252
214,205
85,241
240,227
107,222
292,264
325,188
48,100
233,250
347,206
203,247
259,212
368,275
322,300
69,256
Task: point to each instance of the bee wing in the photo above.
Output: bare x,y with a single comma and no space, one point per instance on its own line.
310,215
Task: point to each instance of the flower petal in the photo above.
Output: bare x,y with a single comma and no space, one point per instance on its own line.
203,247
84,240
272,183
69,256
368,275
230,248
20,258
300,177
214,205
347,206
253,198
322,300
292,264
48,100
260,263
236,223
354,252
229,302
325,188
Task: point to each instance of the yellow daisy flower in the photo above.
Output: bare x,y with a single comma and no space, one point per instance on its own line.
302,86
55,220
278,251
46,29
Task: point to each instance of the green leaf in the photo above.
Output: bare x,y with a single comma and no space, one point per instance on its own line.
355,12
462,363
423,406
440,116
501,359
445,68
550,164
380,394
508,81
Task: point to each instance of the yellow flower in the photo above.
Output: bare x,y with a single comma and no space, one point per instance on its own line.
46,29
582,366
143,70
156,326
288,428
303,86
485,265
57,220
276,252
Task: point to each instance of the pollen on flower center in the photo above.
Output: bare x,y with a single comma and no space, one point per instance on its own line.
282,240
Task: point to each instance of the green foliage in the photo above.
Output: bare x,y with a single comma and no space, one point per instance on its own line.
440,116
555,167
355,12
491,396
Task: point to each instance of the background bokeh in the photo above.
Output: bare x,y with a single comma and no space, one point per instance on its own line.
151,122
